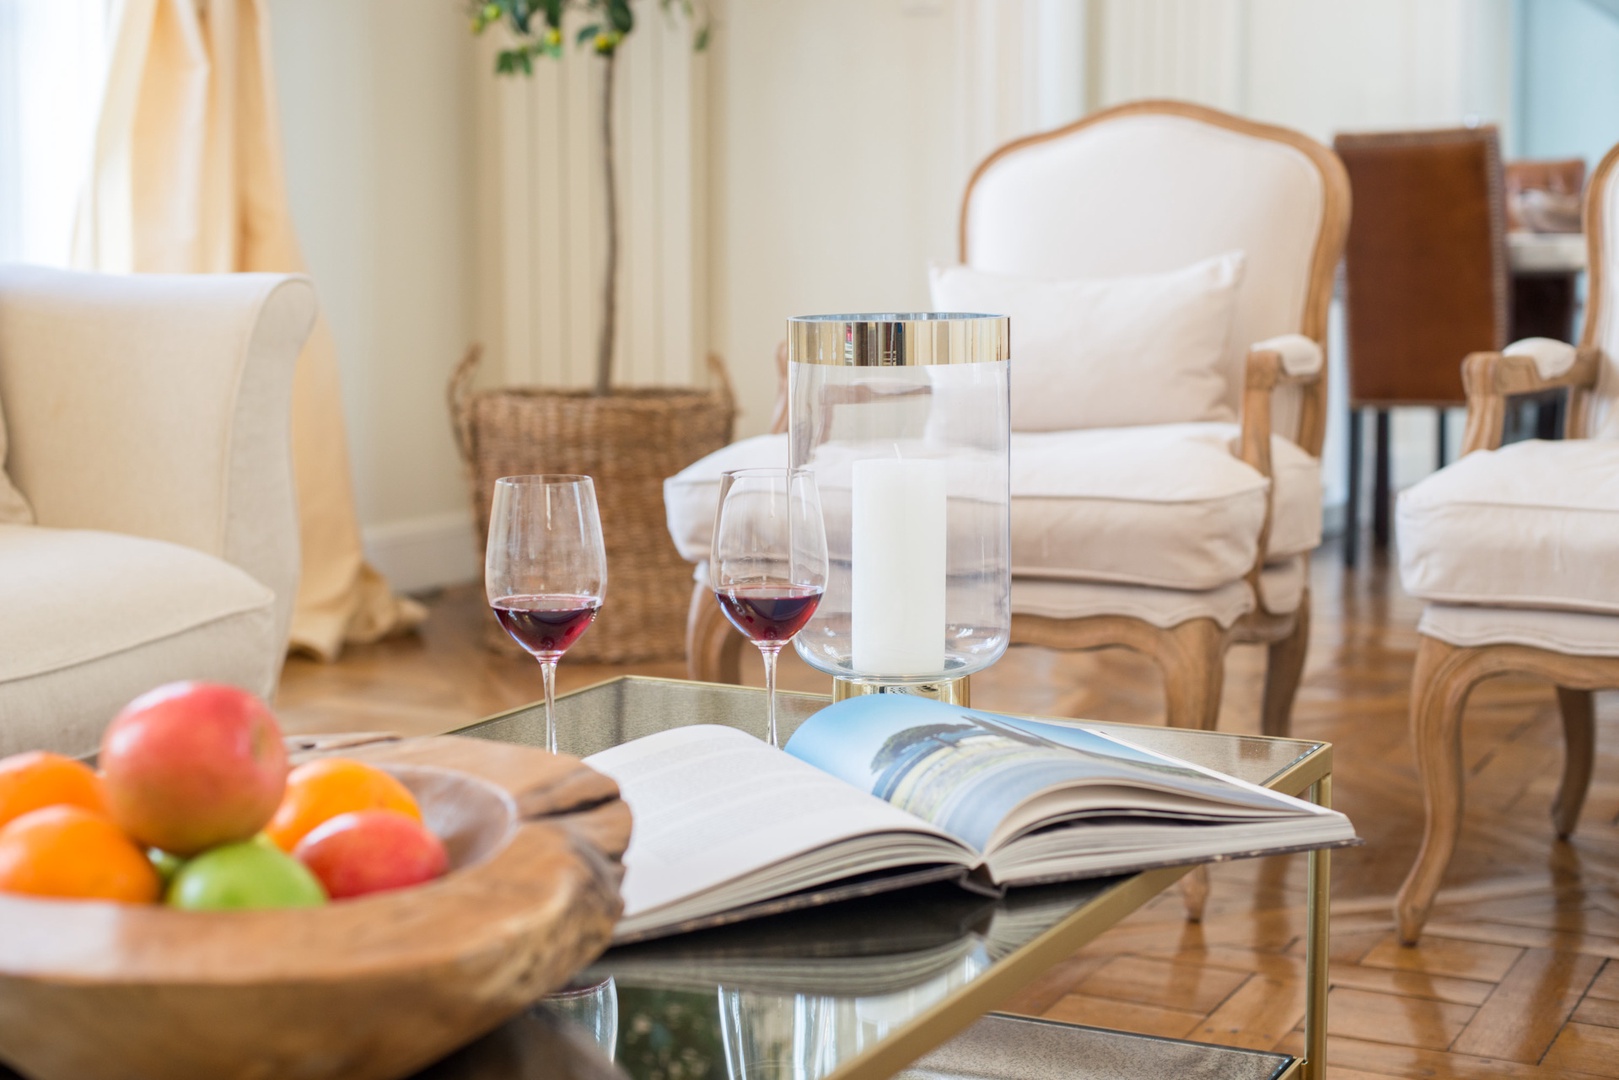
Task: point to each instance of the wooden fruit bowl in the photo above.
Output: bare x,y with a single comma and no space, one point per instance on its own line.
368,989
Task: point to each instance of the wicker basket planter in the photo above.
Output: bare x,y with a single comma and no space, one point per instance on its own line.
628,441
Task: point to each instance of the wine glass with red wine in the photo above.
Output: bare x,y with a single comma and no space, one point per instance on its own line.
545,569
768,564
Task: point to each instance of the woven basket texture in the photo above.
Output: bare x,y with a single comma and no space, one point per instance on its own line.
628,442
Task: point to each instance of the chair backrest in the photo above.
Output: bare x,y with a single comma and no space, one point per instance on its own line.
1425,270
1153,186
1602,293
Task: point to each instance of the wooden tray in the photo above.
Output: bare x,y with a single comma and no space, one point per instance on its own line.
369,989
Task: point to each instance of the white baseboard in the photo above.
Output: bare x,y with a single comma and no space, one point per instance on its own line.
424,553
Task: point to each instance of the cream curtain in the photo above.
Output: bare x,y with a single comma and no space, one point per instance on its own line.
186,178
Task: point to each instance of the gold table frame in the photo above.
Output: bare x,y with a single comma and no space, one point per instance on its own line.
1309,776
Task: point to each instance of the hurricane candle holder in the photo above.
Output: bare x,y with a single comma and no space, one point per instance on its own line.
905,421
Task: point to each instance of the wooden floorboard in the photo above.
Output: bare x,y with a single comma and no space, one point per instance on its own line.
1518,976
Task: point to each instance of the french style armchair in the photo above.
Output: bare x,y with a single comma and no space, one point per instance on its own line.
148,422
1516,551
1174,540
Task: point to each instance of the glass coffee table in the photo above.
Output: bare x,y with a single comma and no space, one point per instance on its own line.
863,989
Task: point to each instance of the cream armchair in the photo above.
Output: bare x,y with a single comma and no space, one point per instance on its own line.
148,426
1516,550
1176,539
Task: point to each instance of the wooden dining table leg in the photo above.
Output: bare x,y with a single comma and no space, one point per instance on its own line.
1352,502
1439,688
1382,482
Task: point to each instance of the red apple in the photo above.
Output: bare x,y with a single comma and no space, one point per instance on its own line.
192,765
371,851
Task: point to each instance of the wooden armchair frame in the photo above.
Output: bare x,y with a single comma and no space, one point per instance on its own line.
1190,655
1445,674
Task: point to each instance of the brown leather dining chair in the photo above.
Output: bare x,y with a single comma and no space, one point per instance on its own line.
1425,281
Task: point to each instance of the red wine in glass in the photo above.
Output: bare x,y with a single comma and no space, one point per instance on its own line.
545,569
769,612
546,625
767,562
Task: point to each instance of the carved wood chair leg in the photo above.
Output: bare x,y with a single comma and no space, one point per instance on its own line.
1284,667
1192,659
713,647
1439,689
1195,893
1579,739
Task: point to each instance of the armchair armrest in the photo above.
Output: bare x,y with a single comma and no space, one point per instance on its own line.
1300,356
1529,366
1289,360
159,405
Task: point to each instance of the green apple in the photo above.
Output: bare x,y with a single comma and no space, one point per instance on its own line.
244,876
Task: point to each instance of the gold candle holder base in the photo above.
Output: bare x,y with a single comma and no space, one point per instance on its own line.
949,691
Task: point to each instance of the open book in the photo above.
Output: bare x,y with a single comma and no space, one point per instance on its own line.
884,791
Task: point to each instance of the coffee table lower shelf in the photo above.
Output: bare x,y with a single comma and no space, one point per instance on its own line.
1017,1048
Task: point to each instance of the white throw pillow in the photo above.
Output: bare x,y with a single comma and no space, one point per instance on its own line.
1109,352
14,509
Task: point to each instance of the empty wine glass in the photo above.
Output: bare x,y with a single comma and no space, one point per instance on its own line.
594,1007
768,563
545,569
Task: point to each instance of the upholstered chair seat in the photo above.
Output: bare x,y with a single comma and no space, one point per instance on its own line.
94,617
1167,506
1531,525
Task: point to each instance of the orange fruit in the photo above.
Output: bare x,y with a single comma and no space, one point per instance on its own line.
36,780
70,852
318,791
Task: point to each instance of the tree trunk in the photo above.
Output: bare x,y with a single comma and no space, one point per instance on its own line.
604,340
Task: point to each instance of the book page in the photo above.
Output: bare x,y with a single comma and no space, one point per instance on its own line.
713,805
985,778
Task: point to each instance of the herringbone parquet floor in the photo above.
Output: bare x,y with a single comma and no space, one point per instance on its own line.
1517,976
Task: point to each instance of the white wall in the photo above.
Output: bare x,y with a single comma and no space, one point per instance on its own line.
376,120
1568,76
1321,67
829,145
544,219
842,135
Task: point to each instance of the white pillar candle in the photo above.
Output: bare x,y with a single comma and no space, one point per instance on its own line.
898,582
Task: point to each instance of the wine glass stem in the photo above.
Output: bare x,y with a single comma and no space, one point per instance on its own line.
770,650
548,669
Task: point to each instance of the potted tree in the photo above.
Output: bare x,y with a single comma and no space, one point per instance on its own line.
628,439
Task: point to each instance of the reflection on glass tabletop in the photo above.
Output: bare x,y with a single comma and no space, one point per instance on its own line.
806,994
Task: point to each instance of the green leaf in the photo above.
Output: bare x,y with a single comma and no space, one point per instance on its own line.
619,13
553,13
700,42
586,33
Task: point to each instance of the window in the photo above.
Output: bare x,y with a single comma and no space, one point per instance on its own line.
52,63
